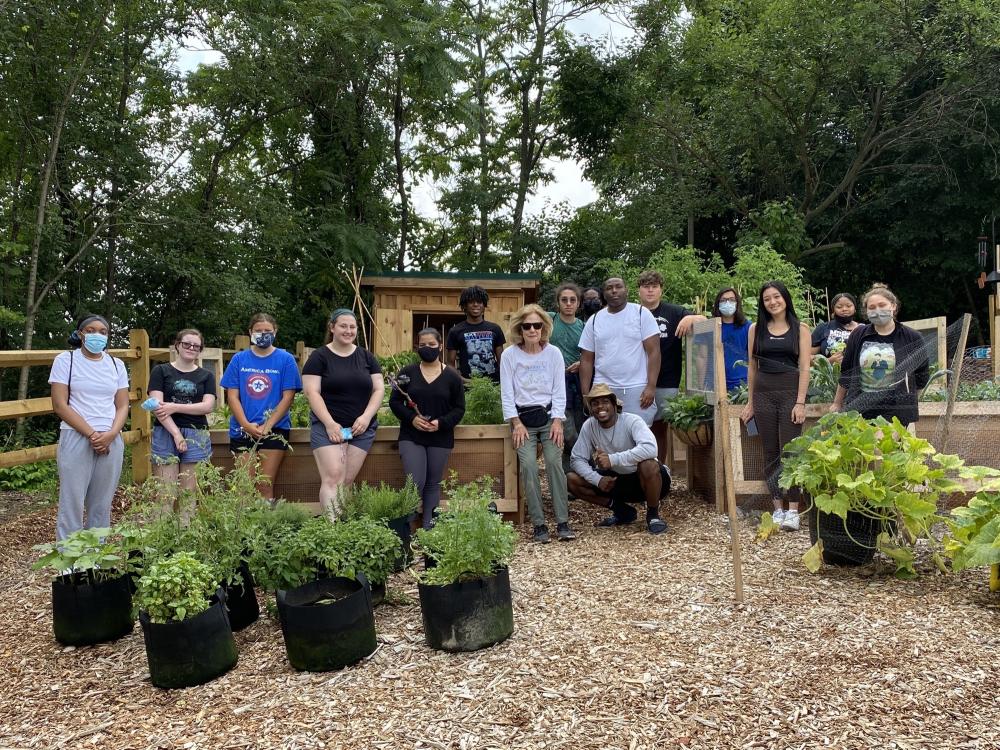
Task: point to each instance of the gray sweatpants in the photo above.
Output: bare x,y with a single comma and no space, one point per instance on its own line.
87,482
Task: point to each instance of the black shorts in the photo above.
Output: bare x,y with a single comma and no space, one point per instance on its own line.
276,441
628,490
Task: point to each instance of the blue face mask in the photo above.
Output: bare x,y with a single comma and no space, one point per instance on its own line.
727,308
95,343
263,340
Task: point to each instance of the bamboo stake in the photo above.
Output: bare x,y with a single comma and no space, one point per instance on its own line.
722,403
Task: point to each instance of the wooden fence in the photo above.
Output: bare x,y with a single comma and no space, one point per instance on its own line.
139,358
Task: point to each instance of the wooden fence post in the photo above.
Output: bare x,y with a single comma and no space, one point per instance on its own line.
138,339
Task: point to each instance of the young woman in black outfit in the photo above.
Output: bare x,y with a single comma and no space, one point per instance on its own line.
778,378
427,432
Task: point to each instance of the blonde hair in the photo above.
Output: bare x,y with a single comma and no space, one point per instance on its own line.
517,318
882,291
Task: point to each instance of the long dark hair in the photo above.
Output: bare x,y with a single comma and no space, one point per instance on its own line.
763,316
738,317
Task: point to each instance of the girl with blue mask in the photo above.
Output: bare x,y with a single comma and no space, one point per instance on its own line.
260,384
735,335
90,396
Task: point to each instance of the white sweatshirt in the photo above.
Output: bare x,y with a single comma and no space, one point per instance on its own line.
533,380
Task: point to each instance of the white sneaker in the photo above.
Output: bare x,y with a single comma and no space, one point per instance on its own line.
778,515
790,521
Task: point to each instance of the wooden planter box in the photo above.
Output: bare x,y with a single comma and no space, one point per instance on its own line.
480,450
973,435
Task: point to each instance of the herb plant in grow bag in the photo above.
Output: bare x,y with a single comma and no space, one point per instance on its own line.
465,598
383,503
91,592
185,628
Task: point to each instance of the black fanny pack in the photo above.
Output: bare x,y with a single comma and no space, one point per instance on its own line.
534,416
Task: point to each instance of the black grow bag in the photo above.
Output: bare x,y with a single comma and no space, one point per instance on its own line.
190,652
87,610
468,615
401,526
845,543
241,600
324,637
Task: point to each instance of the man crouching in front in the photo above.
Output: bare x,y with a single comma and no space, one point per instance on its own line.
614,463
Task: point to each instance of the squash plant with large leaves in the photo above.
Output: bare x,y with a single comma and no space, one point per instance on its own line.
974,539
877,468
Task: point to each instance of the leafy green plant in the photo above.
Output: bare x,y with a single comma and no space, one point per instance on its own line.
482,402
396,362
175,588
974,534
686,412
364,545
38,476
273,558
96,552
469,540
381,502
824,377
986,390
880,470
740,394
299,411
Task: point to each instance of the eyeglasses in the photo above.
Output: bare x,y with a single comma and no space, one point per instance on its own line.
192,347
528,326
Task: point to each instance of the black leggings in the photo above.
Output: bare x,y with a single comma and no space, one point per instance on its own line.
773,400
426,466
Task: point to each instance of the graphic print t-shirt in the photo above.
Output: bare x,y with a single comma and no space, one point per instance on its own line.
261,382
830,338
475,344
183,388
877,362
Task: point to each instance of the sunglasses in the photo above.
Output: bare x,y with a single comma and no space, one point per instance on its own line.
192,347
528,326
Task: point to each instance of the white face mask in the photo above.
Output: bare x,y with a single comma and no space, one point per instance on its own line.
727,308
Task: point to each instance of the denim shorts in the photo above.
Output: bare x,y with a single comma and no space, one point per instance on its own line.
319,439
164,451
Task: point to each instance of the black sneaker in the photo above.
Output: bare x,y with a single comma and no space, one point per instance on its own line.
542,534
564,532
656,525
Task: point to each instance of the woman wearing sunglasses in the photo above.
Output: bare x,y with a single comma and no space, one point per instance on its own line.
185,394
533,393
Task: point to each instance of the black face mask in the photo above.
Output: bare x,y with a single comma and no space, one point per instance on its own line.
843,320
591,306
428,353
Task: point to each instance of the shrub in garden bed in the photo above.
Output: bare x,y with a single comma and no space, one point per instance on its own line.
465,597
91,591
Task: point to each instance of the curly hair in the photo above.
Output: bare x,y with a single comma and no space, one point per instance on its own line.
473,294
517,318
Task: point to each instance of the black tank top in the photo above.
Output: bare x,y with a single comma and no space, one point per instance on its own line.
777,354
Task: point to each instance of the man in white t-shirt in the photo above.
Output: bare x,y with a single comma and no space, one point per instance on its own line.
620,346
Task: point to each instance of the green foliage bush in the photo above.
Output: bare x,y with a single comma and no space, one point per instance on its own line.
469,540
175,588
974,539
97,552
381,502
482,402
686,412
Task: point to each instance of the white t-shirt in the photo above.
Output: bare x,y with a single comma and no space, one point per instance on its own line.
616,341
93,388
533,380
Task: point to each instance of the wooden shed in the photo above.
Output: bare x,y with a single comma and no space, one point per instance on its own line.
408,301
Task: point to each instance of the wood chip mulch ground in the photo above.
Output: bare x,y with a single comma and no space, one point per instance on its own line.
622,640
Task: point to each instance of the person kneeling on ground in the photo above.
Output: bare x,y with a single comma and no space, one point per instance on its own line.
614,463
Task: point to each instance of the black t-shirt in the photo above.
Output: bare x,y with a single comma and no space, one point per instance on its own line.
830,334
345,382
442,399
671,352
183,388
475,344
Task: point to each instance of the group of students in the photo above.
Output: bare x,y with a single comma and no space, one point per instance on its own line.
619,365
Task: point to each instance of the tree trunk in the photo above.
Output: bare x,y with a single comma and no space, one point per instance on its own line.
45,179
398,125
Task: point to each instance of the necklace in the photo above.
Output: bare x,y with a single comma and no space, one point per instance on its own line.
610,446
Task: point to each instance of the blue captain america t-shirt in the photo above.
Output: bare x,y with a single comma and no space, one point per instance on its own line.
261,381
